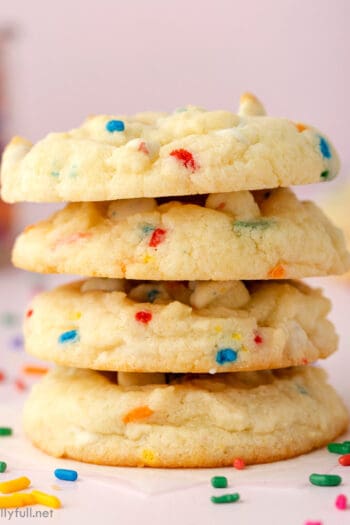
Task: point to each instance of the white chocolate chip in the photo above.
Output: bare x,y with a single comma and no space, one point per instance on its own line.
239,204
140,379
231,294
105,285
119,210
250,106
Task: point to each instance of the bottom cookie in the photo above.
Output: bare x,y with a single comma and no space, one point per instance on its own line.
193,421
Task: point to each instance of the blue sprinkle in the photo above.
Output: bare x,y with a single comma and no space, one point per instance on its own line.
115,125
226,355
67,475
302,390
55,173
152,295
325,148
71,336
147,228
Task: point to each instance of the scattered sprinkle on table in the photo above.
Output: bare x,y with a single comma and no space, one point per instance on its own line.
325,480
13,485
238,463
65,474
16,500
3,466
219,482
339,448
344,460
46,499
341,502
226,498
5,431
34,369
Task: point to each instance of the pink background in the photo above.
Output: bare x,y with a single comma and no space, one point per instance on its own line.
77,57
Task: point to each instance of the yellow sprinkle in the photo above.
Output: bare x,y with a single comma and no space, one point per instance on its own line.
55,487
148,456
46,499
14,484
148,258
17,500
74,316
218,329
244,348
236,336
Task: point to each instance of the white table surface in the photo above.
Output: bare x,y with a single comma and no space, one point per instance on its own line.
272,494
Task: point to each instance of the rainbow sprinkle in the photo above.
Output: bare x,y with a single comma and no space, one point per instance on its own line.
115,125
325,148
71,336
143,317
186,158
226,355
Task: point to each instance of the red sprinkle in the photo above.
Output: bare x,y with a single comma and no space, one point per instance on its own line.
238,463
341,502
142,147
304,361
143,317
344,460
20,385
158,236
29,313
258,339
186,158
2,376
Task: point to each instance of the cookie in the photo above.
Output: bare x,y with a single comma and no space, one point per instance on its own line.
231,236
194,421
336,204
186,152
134,326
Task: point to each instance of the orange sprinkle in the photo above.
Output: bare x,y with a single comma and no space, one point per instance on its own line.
277,272
300,127
70,239
137,413
33,369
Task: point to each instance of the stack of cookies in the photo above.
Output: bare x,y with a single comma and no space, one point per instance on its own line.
189,343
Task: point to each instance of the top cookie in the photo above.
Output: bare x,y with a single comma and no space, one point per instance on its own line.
187,152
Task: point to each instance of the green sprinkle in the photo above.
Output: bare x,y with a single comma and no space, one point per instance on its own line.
219,482
3,466
55,173
325,480
339,448
5,431
227,498
9,319
325,174
259,224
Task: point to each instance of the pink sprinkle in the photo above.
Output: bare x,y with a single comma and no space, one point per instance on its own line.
313,523
158,236
142,147
341,502
238,463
